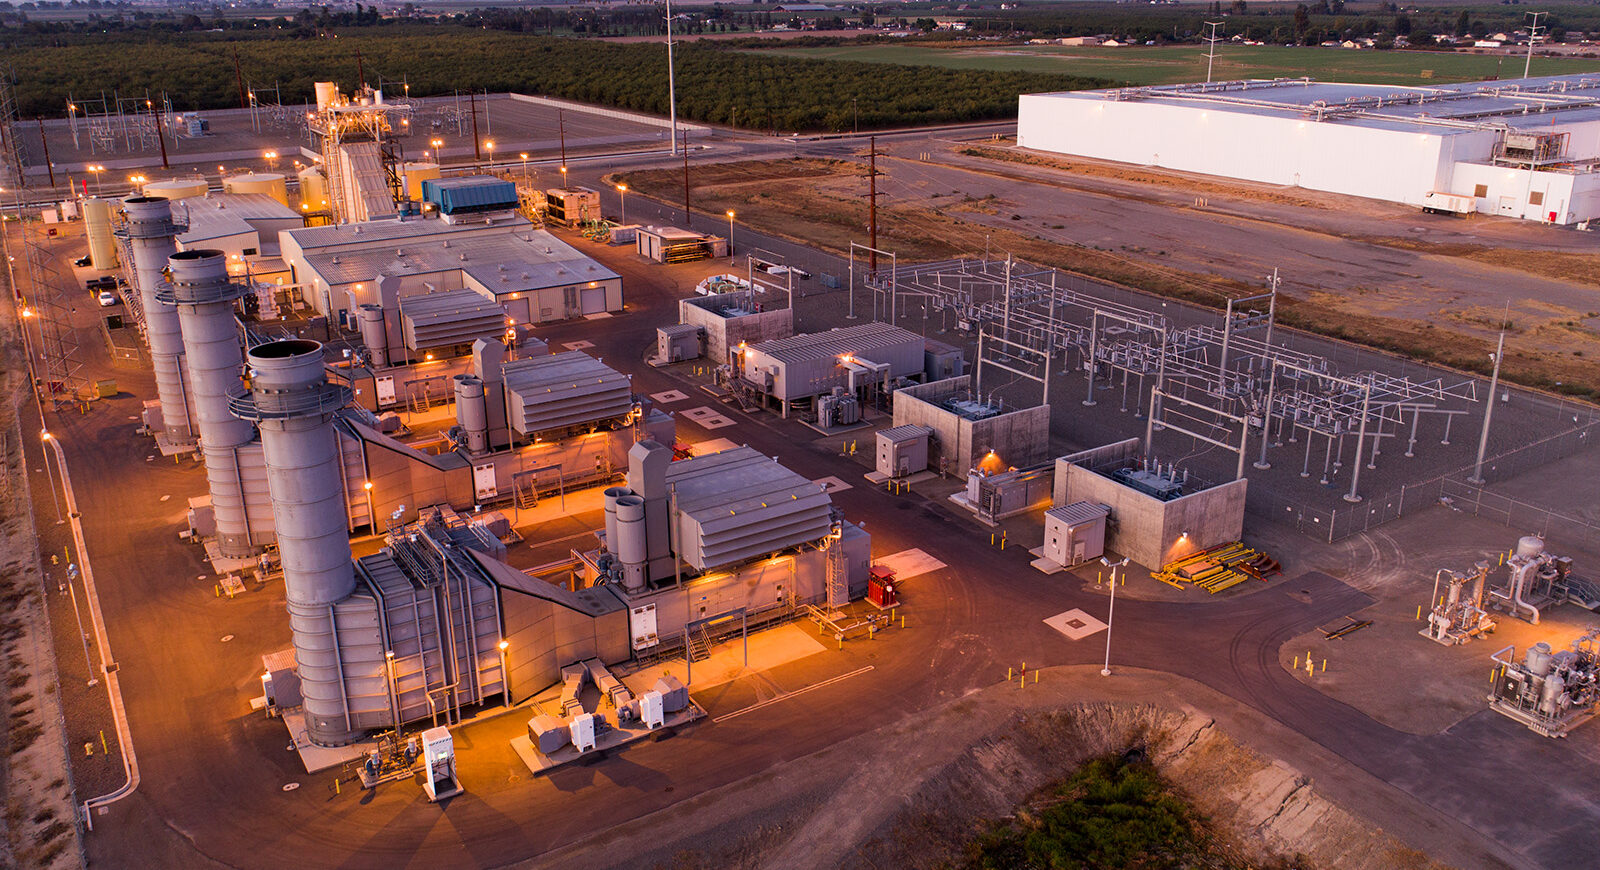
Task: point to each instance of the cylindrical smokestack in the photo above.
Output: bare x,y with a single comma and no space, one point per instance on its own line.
472,413
204,296
151,234
292,402
630,546
374,335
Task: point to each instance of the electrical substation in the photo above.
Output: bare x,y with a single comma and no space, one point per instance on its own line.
512,492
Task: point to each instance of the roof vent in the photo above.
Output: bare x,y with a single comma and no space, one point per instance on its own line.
356,229
463,257
336,261
502,267
526,276
547,250
399,252
445,243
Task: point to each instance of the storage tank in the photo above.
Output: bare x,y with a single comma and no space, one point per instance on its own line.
1538,659
1530,545
97,226
313,189
630,547
416,173
272,184
176,188
373,335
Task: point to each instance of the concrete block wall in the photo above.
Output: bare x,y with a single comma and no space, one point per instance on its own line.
1146,529
723,333
1020,438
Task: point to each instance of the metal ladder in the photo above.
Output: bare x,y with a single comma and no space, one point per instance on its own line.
838,575
699,645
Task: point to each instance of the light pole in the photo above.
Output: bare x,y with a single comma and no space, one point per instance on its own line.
88,663
622,191
730,233
524,166
489,145
95,169
272,159
438,156
44,447
1488,413
505,676
1111,610
563,178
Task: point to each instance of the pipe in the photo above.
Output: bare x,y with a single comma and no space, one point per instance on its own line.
151,234
292,402
205,297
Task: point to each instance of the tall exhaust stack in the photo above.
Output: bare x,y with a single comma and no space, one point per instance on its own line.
290,400
152,236
204,298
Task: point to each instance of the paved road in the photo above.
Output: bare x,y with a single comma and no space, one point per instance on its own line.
213,771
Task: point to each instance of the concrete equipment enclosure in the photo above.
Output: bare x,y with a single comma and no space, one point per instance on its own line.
1018,438
1142,527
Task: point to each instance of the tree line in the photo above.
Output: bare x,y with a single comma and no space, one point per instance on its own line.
714,84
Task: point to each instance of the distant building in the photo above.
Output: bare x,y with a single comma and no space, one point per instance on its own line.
1529,149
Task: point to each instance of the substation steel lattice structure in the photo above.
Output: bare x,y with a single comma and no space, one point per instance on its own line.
1216,382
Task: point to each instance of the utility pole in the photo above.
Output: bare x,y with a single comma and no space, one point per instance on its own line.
1211,49
687,218
49,167
1533,34
239,74
872,207
1488,412
561,121
672,88
473,101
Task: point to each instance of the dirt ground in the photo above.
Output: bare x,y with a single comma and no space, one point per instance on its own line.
913,793
1550,345
40,823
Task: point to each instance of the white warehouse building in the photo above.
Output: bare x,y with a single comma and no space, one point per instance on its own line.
1526,148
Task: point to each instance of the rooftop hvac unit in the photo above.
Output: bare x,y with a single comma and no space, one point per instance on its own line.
652,710
583,732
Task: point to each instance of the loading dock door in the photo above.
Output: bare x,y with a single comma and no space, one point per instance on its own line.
483,483
1508,205
594,300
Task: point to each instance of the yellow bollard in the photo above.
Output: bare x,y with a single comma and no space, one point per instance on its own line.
1022,683
1324,666
1309,671
991,539
841,644
1036,678
1297,663
336,785
1419,611
902,622
1002,540
103,745
1009,674
217,588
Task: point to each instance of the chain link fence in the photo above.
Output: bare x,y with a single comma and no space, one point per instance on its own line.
1336,524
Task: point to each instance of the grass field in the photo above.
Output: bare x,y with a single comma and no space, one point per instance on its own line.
1164,65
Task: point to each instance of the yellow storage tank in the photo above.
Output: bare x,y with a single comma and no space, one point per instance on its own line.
97,225
313,190
416,173
270,183
176,188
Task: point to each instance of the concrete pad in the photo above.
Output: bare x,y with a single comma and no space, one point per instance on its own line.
1075,624
1045,566
909,563
715,445
668,397
319,758
706,417
832,484
768,649
612,738
553,507
577,345
601,316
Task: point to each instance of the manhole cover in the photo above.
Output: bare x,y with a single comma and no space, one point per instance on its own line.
290,786
226,638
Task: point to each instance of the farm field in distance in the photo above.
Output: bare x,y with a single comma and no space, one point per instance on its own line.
1153,65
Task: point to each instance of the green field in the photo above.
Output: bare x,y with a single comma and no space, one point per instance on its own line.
1166,65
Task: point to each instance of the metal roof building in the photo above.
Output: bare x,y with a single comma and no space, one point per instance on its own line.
1526,148
803,366
535,276
454,317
